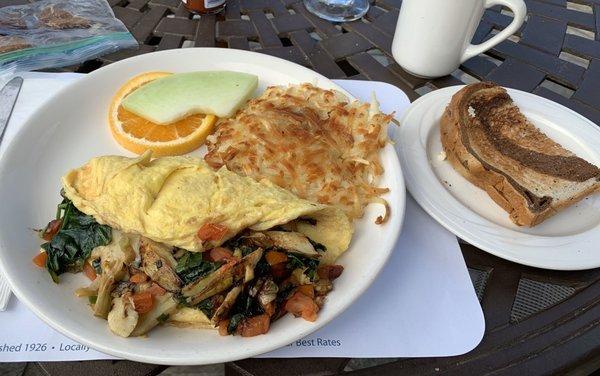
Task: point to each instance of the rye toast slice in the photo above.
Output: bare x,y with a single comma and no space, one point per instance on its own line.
492,144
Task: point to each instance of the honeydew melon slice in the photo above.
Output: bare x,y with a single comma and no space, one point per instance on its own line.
177,96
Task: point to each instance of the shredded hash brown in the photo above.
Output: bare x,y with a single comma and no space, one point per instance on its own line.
310,141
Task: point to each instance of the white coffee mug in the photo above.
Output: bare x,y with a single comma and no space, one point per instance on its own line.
433,37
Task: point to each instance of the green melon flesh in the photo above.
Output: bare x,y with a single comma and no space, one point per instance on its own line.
172,98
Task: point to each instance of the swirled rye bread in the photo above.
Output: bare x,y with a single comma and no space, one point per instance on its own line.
492,144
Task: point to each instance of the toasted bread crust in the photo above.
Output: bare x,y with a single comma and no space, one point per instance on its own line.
524,208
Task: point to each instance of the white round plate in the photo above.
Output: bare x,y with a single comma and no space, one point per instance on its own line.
72,128
566,241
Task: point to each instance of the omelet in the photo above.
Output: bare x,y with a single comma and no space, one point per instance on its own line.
169,199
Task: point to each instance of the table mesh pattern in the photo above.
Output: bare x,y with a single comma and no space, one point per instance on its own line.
479,279
555,54
361,363
532,326
534,296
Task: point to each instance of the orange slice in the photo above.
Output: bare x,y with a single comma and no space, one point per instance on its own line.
137,134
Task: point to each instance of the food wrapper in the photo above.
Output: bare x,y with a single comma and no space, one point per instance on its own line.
54,33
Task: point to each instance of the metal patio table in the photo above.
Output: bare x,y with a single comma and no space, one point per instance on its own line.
537,321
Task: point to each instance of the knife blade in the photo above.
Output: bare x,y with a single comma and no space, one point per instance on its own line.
8,98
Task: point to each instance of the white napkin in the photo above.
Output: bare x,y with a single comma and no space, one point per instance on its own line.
35,91
4,293
422,303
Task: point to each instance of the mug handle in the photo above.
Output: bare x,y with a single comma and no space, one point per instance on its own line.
519,10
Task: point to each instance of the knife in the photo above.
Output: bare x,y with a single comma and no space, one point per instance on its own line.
8,98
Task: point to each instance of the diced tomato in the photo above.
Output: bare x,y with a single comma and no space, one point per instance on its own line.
307,290
254,326
302,305
138,278
212,232
142,302
89,271
40,259
51,229
279,271
330,272
274,257
223,324
156,289
221,254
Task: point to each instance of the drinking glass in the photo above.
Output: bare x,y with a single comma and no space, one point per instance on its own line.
338,10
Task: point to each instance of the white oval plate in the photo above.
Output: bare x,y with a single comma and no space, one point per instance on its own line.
566,241
72,128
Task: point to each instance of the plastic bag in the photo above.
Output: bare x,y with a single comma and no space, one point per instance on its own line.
55,33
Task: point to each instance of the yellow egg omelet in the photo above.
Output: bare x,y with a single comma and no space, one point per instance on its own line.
168,200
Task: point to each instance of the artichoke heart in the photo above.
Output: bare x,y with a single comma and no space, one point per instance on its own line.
221,279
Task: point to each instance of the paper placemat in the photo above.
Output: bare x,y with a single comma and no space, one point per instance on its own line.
423,303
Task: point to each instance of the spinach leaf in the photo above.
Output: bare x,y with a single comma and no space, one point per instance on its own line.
238,243
294,261
318,246
207,306
246,250
234,322
297,261
191,266
162,318
79,234
262,268
247,305
284,292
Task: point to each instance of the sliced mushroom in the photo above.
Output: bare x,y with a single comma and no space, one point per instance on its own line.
158,263
268,292
256,239
163,305
224,308
293,242
122,287
253,291
164,251
122,318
